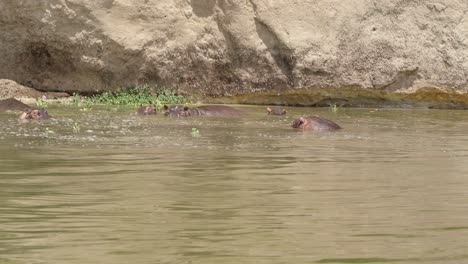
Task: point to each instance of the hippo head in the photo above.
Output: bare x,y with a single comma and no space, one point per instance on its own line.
146,110
299,123
176,110
34,113
276,111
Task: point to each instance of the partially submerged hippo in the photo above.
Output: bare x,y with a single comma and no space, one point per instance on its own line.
276,111
27,112
206,110
173,108
34,113
11,104
146,110
314,123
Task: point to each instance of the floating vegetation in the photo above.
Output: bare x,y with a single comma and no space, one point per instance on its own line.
195,132
49,131
334,108
76,128
84,105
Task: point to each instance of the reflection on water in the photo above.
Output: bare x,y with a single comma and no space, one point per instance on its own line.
106,186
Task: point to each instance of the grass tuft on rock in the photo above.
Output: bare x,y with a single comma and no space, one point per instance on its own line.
135,95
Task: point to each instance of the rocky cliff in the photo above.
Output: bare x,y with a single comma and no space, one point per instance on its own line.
311,52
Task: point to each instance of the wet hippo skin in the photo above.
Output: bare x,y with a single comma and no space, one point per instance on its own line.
206,110
146,110
314,123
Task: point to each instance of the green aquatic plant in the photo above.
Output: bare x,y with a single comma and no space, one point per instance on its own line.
76,98
82,102
195,132
166,96
76,128
135,95
41,103
85,105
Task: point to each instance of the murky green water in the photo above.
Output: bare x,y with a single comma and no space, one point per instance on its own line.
392,187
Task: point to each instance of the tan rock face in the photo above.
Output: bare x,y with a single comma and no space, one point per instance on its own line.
235,47
11,89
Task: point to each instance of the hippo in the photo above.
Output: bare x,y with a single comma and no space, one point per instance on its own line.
12,104
173,108
34,113
27,112
146,110
276,111
205,110
314,123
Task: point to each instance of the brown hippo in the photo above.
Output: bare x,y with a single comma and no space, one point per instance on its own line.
27,112
34,113
314,123
205,110
12,104
276,111
173,108
146,110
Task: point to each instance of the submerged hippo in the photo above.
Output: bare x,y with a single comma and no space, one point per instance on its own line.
314,123
173,108
206,110
276,111
12,104
34,113
146,110
27,112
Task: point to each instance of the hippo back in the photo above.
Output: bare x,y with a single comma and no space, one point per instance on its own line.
174,110
215,110
323,124
315,123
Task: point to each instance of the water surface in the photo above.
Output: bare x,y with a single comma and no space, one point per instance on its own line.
107,186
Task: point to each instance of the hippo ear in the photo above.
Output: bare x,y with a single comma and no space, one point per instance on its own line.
284,111
165,107
302,120
269,110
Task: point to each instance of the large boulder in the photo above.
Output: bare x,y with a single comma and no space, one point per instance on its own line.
281,51
11,89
